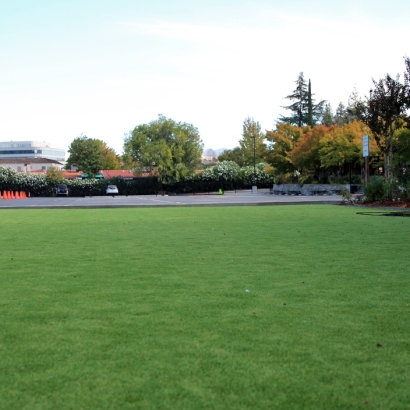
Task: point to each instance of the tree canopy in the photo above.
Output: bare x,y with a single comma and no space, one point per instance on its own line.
303,110
251,146
384,111
54,175
252,140
341,145
87,153
281,142
236,155
168,148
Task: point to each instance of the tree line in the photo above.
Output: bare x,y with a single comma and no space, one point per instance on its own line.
311,143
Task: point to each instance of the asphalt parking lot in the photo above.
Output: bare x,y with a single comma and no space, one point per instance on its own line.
241,198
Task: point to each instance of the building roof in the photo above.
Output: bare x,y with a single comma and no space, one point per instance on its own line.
112,173
23,160
38,171
72,174
106,173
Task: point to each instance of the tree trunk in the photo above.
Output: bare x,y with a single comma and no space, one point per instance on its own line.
389,162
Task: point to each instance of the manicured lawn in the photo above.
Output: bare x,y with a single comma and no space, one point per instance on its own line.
149,308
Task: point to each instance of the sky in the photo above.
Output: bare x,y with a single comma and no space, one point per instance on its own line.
101,67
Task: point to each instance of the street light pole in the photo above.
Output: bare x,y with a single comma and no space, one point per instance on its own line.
254,164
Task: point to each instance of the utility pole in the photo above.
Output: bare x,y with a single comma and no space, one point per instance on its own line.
254,187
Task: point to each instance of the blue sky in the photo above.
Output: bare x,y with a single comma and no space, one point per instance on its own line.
102,67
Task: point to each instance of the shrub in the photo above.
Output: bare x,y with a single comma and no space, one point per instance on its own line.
248,174
346,195
54,176
377,189
227,171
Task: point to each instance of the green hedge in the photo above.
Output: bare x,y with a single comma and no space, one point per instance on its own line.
37,185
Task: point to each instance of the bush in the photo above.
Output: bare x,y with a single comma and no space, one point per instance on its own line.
226,171
377,189
287,178
346,195
35,184
263,178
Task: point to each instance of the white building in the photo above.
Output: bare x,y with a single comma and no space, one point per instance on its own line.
30,164
31,149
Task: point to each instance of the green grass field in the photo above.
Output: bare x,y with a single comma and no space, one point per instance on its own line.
148,308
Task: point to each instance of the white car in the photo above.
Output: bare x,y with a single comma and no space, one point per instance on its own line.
112,190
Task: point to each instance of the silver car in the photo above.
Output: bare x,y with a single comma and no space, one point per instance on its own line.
112,190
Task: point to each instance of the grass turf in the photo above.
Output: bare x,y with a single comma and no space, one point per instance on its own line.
148,308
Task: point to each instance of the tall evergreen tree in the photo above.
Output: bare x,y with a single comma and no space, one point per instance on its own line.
298,108
304,110
341,116
310,105
327,117
352,102
407,88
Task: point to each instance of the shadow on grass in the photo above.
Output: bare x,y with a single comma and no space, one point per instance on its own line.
403,213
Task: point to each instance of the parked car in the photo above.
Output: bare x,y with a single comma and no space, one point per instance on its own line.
62,189
112,190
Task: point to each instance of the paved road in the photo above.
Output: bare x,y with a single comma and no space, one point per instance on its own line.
229,198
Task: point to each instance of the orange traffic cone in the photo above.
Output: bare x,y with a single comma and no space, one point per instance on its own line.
17,195
7,195
23,195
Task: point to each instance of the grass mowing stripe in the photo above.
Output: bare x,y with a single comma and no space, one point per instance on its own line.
147,308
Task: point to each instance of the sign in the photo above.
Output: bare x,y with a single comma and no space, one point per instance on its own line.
365,145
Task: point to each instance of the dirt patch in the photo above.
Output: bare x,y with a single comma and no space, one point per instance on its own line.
402,204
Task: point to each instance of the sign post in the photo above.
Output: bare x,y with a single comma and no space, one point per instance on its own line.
366,156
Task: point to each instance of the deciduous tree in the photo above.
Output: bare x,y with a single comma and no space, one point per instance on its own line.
252,139
110,159
281,142
171,149
342,145
383,112
54,175
87,153
236,155
305,155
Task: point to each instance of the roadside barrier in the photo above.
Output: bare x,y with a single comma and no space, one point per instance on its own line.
14,195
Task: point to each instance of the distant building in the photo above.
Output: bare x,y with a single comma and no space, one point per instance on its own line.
30,164
31,149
